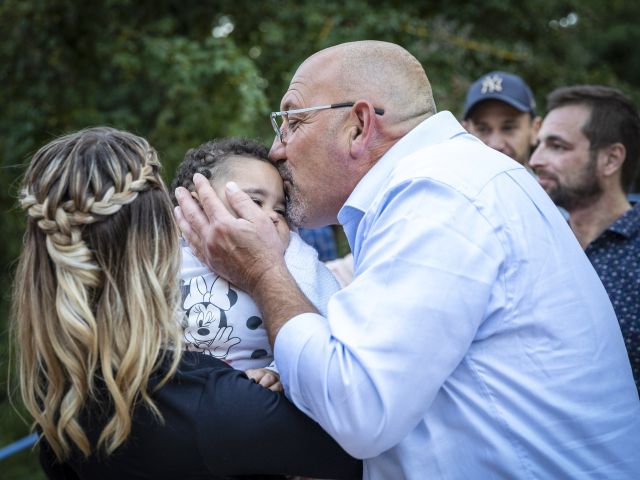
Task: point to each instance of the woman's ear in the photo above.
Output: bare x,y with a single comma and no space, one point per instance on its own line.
362,128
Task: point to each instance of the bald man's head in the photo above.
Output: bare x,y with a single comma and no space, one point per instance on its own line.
384,73
379,93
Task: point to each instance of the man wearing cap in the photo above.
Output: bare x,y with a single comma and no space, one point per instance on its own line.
500,111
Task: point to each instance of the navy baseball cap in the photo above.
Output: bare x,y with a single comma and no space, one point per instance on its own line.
502,86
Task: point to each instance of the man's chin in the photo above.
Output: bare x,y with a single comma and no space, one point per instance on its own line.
556,195
548,184
296,216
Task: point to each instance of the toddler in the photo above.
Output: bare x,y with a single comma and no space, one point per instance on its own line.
220,319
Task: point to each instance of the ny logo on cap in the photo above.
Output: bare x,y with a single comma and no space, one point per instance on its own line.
491,84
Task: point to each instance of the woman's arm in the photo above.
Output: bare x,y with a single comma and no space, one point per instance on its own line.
247,429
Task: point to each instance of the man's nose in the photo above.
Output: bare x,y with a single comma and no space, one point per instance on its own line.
277,151
537,157
496,141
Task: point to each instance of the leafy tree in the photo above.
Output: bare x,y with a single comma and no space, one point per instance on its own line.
183,72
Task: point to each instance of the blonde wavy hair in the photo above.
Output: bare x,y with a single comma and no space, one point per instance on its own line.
96,289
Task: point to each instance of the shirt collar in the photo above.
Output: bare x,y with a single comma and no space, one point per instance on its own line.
628,224
435,129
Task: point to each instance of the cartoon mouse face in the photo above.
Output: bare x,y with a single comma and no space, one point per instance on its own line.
206,298
203,322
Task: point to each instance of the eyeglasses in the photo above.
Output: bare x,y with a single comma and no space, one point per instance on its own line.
281,131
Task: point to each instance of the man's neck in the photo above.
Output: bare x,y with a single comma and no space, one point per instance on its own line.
589,221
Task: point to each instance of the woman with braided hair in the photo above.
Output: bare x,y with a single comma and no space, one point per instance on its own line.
102,367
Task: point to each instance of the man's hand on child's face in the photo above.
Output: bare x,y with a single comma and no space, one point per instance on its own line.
243,246
265,377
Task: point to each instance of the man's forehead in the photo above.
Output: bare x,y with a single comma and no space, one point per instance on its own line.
296,94
572,114
495,109
310,83
565,121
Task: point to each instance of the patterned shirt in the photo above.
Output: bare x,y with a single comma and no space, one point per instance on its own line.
323,240
615,255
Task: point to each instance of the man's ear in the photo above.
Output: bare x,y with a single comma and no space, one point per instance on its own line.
362,128
535,128
466,125
611,158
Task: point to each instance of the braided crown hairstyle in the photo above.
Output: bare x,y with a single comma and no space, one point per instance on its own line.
95,293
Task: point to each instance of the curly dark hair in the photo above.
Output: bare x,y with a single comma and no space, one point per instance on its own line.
209,159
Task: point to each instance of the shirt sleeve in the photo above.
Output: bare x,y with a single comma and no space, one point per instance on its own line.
425,270
245,429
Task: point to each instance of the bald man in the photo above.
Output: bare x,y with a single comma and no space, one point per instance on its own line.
457,351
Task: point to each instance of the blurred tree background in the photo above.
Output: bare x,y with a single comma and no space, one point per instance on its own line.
183,72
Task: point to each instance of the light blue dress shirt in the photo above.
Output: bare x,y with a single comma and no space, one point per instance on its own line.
476,340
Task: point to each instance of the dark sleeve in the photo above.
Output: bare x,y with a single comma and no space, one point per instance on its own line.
246,429
52,468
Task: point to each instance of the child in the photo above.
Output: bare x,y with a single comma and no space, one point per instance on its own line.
221,320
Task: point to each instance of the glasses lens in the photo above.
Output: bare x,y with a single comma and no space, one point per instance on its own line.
275,124
279,126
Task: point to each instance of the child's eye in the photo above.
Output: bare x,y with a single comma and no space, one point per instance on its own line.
280,211
257,201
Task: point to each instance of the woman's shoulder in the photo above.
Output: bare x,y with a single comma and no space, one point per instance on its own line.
197,363
195,370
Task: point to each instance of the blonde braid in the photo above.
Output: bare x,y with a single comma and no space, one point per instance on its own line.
68,347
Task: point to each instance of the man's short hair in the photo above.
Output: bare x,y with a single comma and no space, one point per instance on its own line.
613,119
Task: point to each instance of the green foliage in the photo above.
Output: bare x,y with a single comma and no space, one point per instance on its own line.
183,72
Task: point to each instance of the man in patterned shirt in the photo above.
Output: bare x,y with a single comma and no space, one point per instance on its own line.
323,239
587,161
